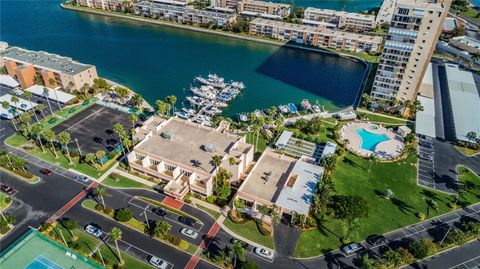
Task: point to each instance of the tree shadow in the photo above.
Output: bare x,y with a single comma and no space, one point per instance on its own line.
350,162
431,195
402,206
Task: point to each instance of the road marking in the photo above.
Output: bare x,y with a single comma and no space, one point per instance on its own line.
72,202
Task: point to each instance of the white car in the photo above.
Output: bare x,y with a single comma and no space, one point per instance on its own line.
189,232
157,262
264,253
93,230
82,178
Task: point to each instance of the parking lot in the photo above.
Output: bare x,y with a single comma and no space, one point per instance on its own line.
426,166
93,128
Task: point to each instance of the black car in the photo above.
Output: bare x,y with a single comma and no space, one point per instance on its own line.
159,211
186,220
376,240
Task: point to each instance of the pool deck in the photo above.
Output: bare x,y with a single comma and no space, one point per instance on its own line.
385,150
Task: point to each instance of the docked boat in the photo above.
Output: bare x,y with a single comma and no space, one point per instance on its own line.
216,81
292,107
189,110
204,91
212,110
316,109
306,105
182,114
283,109
242,117
195,100
218,103
238,85
258,113
201,80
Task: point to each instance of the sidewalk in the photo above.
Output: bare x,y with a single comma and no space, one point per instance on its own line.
133,177
207,205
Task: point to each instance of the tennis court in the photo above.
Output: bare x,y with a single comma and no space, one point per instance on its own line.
35,251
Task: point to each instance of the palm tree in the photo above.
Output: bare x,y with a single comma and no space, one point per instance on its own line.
372,158
45,93
101,192
52,82
90,158
133,119
161,107
431,204
232,161
100,154
118,129
64,139
162,228
239,251
19,163
41,107
37,131
14,100
70,225
116,235
472,137
217,160
172,99
49,135
6,106
28,95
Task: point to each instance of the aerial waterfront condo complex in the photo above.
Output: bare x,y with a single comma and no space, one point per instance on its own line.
181,153
316,36
344,20
26,65
112,5
413,34
256,7
182,14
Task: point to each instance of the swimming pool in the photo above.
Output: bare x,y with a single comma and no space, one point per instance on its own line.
370,140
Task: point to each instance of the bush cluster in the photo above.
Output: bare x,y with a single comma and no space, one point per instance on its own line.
123,214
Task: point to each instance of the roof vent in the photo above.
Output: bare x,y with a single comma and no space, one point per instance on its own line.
209,148
167,135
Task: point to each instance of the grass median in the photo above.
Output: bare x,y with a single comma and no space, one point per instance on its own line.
119,181
249,230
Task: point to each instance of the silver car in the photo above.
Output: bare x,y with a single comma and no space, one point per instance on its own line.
189,232
351,248
264,253
157,262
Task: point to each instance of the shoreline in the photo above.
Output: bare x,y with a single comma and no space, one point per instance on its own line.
145,104
277,43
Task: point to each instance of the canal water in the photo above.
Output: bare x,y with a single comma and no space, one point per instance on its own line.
157,61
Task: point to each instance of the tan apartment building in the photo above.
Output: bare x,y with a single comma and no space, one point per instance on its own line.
182,14
66,72
112,5
343,20
316,36
180,153
277,179
257,7
413,34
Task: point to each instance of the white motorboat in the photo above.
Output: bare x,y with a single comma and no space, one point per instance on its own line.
195,100
219,103
242,117
201,80
316,109
284,109
212,110
189,110
204,91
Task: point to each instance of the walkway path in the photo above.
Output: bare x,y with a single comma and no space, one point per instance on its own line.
133,177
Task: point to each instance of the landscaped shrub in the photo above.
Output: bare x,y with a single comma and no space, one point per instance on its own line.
24,174
418,250
211,199
115,176
456,237
123,214
111,155
236,220
405,255
261,229
122,165
420,216
75,245
471,227
108,210
99,207
183,245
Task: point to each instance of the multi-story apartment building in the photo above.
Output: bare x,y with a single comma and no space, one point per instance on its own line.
112,5
466,43
181,153
411,40
259,7
344,20
316,36
182,14
25,65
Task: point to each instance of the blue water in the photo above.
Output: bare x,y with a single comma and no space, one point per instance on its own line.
370,140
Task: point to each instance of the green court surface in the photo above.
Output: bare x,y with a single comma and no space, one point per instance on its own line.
35,251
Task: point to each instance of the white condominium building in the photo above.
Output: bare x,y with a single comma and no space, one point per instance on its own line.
411,40
182,14
347,20
316,36
257,7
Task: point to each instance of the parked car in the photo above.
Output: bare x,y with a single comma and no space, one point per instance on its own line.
351,248
264,253
157,262
6,189
186,220
376,240
46,171
159,211
81,178
95,231
189,232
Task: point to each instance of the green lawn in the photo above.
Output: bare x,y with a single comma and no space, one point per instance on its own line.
466,175
262,143
472,13
3,202
213,213
381,119
124,182
250,231
467,151
62,160
352,178
87,243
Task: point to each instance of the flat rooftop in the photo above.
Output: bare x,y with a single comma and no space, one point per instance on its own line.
45,60
269,176
465,101
187,143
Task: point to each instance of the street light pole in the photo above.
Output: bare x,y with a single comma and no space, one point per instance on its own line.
79,150
441,242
